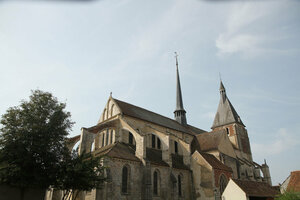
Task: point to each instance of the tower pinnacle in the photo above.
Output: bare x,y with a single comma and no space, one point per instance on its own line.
226,113
179,113
222,91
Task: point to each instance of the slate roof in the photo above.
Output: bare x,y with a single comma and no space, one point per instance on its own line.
294,183
226,113
141,113
118,150
256,189
214,162
210,140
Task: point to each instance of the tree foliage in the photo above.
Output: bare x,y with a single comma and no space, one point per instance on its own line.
33,150
80,173
289,196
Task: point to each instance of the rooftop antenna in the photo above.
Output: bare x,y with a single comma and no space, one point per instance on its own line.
220,76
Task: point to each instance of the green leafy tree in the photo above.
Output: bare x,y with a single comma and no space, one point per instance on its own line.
80,173
33,151
289,196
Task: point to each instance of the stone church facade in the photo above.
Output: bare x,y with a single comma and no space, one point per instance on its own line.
150,156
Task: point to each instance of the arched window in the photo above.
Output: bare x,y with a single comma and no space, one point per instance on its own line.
112,110
179,186
102,139
130,138
111,136
92,146
153,141
175,147
156,183
223,183
125,177
158,143
107,137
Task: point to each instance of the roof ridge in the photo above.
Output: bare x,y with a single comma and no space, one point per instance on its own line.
154,118
148,111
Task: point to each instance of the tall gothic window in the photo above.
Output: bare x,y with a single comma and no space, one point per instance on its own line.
130,139
125,176
223,183
107,137
155,183
102,139
179,186
153,141
175,147
158,143
111,136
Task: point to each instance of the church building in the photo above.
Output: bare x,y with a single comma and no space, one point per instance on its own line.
152,157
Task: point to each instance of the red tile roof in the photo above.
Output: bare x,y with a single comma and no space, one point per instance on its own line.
294,184
256,189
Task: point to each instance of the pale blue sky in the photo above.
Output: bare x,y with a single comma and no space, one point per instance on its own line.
82,51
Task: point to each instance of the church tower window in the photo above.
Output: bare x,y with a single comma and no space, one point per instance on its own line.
227,131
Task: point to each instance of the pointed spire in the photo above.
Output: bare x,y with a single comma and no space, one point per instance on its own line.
179,112
226,113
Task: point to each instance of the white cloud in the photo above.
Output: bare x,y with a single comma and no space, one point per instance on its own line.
245,29
283,141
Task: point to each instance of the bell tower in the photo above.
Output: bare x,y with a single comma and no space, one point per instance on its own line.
228,119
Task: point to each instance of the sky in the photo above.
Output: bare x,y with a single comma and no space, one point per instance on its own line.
82,50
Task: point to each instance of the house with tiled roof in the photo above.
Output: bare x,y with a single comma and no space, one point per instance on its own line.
248,190
150,156
291,183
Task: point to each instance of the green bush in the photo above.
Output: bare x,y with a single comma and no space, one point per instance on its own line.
289,196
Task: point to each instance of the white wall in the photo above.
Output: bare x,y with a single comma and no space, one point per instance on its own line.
233,192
